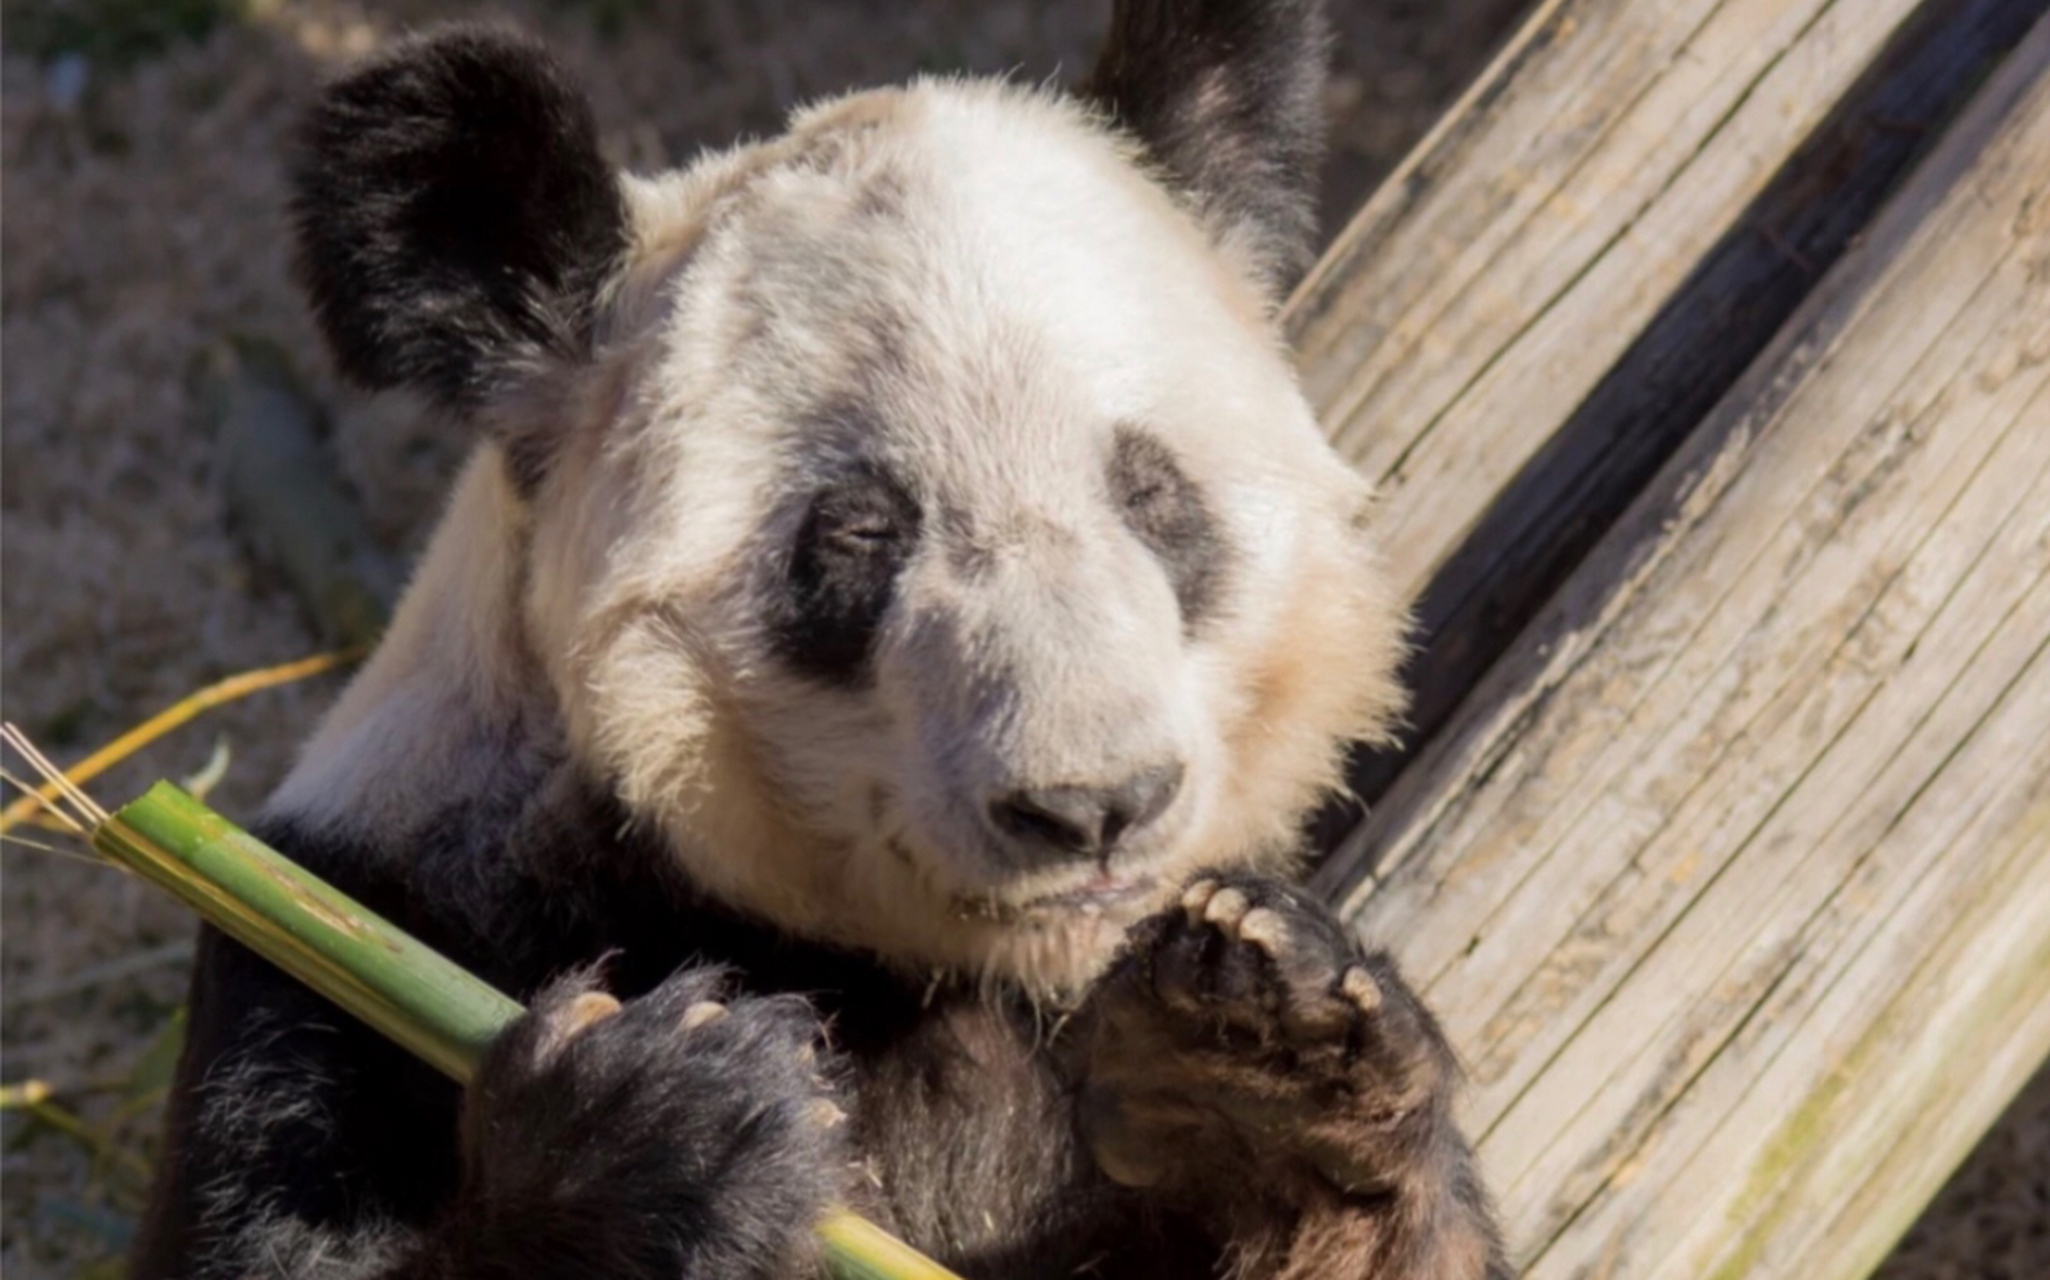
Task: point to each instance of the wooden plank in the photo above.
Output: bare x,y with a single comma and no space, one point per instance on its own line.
1446,331
1574,484
1732,881
1519,328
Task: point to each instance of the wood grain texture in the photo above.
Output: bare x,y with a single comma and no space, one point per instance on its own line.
1732,881
1499,273
1564,496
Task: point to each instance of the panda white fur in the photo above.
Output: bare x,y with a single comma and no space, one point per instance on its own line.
895,619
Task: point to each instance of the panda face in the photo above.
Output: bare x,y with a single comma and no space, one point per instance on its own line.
950,565
912,519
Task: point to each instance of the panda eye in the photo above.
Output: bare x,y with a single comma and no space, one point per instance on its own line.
866,517
1148,483
1146,494
860,530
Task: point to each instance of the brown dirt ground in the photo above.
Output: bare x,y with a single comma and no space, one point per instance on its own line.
140,224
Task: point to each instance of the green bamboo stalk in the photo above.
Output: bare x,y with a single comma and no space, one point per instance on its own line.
399,987
373,969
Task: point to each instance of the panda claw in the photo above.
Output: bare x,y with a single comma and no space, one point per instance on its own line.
587,1008
563,1023
825,1114
703,1013
1226,908
1266,930
1312,1022
1359,987
1196,897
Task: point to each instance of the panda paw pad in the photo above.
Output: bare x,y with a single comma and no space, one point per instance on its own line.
1246,1017
1251,958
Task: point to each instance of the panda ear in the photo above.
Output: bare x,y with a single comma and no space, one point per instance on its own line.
454,216
1227,96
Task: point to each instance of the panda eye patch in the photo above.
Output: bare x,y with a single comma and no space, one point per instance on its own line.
1167,512
851,544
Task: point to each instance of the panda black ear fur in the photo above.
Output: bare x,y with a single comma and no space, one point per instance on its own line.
454,217
1227,96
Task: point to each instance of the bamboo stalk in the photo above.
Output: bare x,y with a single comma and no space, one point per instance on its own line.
305,926
361,961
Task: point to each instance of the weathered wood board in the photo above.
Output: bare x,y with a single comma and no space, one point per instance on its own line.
1554,503
1732,881
1527,319
1448,330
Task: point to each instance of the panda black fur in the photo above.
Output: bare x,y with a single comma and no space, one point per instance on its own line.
896,616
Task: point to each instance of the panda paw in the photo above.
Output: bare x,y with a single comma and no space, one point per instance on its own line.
1243,1032
678,1134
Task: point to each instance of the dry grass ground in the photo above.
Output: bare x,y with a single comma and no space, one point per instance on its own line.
139,144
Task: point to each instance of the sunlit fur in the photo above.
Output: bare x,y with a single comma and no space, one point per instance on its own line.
974,285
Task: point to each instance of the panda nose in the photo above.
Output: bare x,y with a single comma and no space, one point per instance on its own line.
1085,821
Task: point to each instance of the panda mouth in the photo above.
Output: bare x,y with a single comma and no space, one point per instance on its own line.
1092,897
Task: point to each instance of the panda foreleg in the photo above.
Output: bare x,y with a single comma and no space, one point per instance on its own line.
1245,1059
300,1143
679,1135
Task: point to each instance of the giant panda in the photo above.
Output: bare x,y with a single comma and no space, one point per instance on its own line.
863,696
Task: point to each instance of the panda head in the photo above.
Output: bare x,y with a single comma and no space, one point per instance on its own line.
917,523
